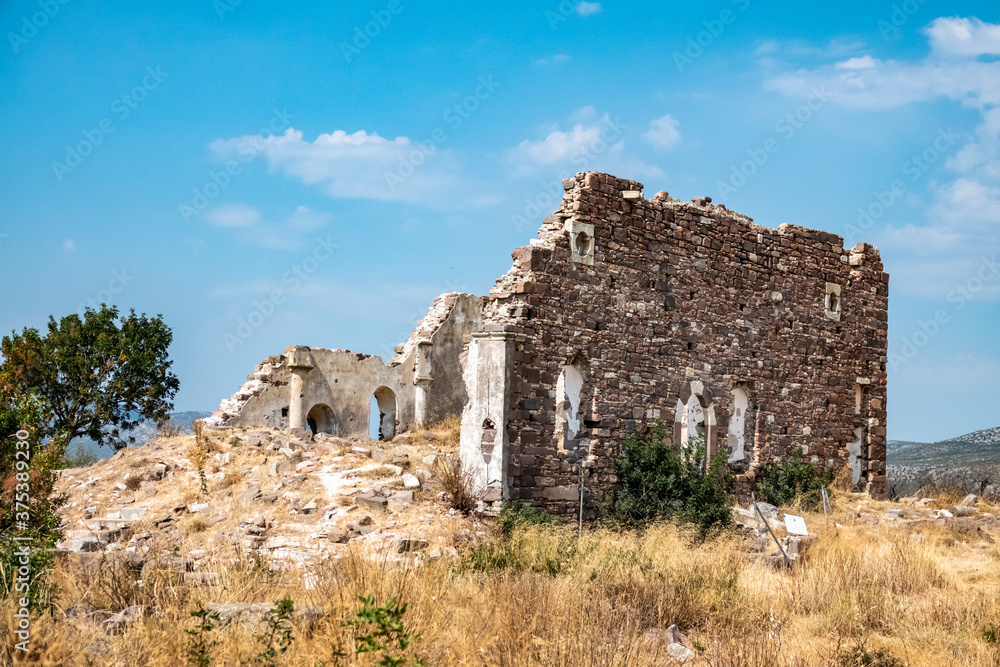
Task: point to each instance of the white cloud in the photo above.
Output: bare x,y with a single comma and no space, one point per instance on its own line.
69,246
588,8
358,165
964,37
288,234
557,59
559,146
234,215
663,133
864,62
594,143
963,219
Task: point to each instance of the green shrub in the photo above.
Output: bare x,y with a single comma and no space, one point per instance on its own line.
517,515
199,648
277,637
519,546
387,636
659,481
781,482
28,506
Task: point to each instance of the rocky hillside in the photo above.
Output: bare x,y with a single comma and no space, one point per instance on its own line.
978,447
956,459
290,497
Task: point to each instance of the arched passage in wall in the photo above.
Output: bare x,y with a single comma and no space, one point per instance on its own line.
321,420
695,416
693,419
384,404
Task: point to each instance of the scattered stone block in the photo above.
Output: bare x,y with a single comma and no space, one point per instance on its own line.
125,617
369,501
408,544
250,495
680,653
201,578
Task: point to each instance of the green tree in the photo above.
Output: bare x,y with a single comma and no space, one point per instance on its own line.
657,481
96,377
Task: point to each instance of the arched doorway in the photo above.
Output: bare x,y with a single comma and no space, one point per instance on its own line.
384,403
321,420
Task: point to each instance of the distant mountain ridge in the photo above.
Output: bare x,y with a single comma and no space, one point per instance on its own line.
988,436
969,449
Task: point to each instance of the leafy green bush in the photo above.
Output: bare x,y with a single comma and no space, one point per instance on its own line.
199,648
517,515
28,507
781,482
658,481
277,636
387,636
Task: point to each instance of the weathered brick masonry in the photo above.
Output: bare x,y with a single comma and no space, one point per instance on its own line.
626,310
623,311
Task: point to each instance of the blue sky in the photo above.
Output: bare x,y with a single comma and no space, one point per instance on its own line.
267,175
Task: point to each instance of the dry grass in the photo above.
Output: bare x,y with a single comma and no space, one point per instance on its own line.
924,592
549,597
455,484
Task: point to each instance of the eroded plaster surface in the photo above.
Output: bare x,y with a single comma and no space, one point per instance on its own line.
855,458
737,426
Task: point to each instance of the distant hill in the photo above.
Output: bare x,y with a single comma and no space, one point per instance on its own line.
970,449
143,433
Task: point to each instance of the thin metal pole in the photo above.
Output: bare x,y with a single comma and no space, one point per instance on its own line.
580,532
754,503
825,498
768,526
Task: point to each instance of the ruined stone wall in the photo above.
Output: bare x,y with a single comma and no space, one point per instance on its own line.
331,390
665,309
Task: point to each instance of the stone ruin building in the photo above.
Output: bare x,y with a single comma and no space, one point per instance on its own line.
623,311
